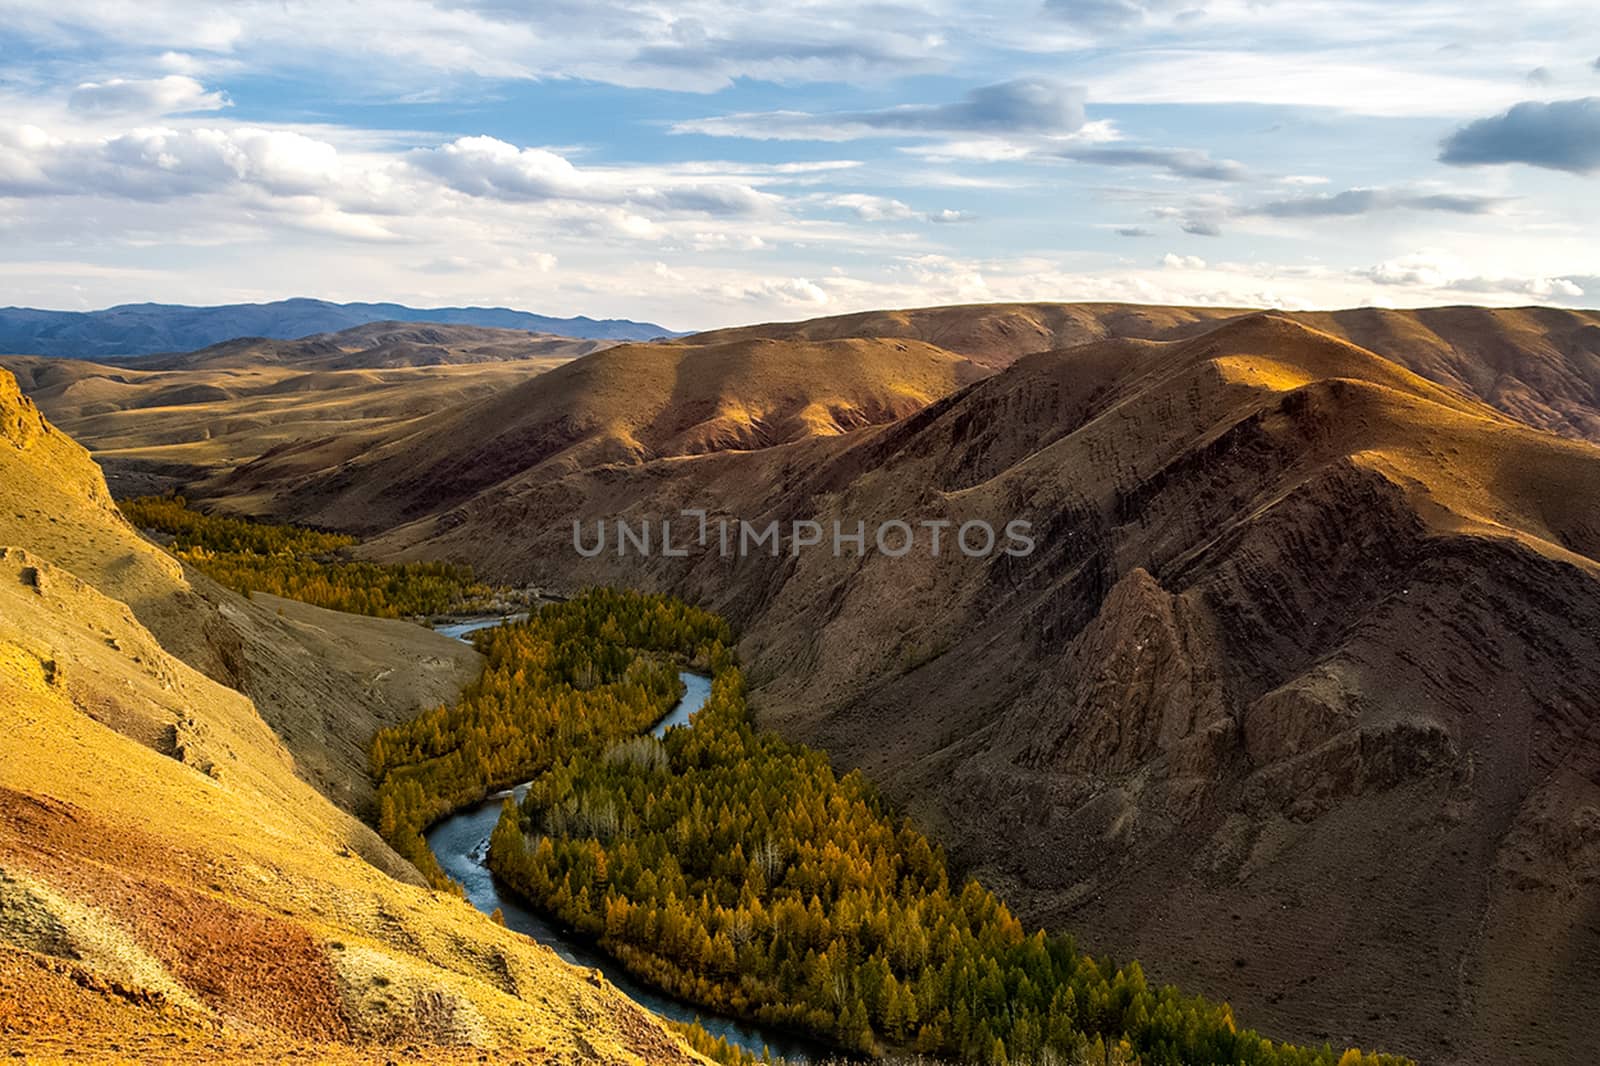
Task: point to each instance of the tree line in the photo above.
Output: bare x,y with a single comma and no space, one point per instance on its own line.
303,564
738,871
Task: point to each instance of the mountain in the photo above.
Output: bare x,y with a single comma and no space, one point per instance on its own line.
145,329
172,886
1295,701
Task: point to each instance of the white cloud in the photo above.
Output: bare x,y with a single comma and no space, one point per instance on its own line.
1173,261
792,291
151,97
490,168
1349,54
870,208
156,163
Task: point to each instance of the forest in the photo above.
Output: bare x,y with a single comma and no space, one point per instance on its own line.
574,676
740,872
302,564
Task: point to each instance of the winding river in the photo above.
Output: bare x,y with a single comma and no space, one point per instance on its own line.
461,844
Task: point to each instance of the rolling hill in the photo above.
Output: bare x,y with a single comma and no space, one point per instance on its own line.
161,421
378,346
146,329
1295,701
624,405
171,884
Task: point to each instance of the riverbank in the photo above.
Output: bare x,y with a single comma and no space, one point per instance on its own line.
460,844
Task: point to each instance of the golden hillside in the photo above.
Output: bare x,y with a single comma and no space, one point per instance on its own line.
170,887
627,405
323,680
1539,364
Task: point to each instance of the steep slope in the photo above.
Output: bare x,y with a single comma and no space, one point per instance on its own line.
1295,701
625,405
324,681
169,886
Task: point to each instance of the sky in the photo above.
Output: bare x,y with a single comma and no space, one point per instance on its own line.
712,162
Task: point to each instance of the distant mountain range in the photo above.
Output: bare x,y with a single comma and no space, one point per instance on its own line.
146,329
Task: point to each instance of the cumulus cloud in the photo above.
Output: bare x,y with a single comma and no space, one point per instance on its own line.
1365,201
950,215
158,163
1201,227
1133,231
489,168
1173,261
1026,106
1179,162
1561,135
173,94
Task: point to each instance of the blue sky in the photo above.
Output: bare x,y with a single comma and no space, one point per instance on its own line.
712,162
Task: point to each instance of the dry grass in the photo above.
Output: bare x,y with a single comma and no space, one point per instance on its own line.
172,888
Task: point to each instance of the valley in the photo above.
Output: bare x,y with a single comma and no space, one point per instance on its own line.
729,534
1294,703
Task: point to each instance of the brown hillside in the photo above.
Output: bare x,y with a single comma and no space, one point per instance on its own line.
169,886
1295,702
626,405
1538,364
993,335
